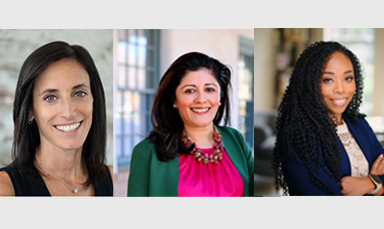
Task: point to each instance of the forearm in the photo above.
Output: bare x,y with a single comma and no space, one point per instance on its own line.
358,186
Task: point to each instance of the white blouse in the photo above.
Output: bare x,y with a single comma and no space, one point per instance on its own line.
359,164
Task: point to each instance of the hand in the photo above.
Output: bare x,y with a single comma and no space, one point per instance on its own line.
356,186
378,166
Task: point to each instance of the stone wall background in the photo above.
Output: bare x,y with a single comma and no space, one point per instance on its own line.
17,45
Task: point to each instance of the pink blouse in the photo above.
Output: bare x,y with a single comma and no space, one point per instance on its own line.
198,179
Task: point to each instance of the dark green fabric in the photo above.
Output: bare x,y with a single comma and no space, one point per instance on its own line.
151,177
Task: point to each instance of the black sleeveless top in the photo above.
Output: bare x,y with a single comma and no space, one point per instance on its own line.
24,186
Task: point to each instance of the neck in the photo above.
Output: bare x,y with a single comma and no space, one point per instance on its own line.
64,163
201,136
339,120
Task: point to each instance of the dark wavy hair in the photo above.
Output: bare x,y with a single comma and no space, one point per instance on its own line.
26,137
305,127
166,120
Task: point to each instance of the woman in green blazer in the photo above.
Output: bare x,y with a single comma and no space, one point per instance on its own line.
187,153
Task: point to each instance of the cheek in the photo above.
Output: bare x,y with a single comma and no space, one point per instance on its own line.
87,106
353,88
325,91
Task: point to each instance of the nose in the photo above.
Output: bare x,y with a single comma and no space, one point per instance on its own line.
68,109
339,87
200,97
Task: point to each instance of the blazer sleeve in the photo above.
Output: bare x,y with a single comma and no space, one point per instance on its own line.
377,147
299,181
251,167
138,181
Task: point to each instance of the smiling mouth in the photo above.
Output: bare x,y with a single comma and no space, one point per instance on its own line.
339,102
200,111
68,128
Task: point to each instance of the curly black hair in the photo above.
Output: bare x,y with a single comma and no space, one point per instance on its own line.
305,127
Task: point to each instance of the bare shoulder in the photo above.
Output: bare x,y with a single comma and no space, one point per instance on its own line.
110,167
6,187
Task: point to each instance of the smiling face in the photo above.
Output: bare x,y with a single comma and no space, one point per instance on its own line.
198,98
338,84
62,105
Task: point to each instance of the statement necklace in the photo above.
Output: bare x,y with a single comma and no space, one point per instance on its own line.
213,157
73,189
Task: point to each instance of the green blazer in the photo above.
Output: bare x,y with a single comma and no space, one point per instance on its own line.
151,177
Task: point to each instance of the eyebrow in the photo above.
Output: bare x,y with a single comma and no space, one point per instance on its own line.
193,85
49,90
332,73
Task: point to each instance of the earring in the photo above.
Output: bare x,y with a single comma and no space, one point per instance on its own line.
30,122
174,105
219,104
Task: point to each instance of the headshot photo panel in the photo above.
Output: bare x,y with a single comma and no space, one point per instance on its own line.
183,112
320,133
57,126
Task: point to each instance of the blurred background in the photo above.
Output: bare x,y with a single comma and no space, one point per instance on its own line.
17,45
276,52
141,57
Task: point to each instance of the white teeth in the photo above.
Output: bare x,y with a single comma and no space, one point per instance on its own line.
339,101
200,110
68,128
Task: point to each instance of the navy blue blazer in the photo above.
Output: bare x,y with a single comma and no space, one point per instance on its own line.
297,175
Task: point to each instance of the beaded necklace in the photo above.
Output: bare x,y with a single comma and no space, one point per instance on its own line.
213,157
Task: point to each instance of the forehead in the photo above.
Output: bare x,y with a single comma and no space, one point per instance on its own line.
339,60
203,75
61,74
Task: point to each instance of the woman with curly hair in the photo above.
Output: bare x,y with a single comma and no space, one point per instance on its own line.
188,153
324,145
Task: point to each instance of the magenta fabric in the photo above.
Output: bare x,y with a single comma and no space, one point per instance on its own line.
198,179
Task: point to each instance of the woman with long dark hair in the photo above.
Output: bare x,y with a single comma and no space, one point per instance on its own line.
188,153
59,127
324,145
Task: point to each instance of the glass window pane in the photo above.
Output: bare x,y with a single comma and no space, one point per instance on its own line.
122,51
141,61
121,76
131,54
136,73
141,78
142,39
132,77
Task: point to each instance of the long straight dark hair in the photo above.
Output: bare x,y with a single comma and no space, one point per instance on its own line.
26,137
166,120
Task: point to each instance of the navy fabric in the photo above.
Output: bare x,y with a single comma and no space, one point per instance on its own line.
297,175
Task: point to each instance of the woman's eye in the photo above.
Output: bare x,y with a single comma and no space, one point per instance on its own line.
188,91
50,98
80,94
349,79
327,80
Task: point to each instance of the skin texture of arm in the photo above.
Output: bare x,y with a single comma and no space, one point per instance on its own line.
358,186
6,187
